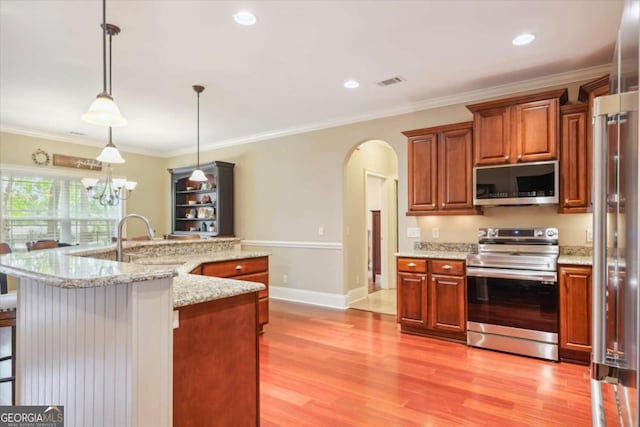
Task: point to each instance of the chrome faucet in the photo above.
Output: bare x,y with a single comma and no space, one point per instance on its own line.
150,232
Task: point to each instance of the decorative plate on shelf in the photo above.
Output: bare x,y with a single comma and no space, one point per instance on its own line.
40,157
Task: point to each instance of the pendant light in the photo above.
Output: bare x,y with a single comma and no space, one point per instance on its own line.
103,111
110,153
197,174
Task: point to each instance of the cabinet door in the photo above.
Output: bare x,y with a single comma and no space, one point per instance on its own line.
575,312
447,303
423,173
536,131
412,300
574,168
455,169
491,136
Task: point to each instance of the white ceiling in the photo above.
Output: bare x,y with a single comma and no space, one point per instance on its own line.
284,74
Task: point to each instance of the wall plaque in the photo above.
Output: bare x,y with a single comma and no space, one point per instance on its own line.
76,162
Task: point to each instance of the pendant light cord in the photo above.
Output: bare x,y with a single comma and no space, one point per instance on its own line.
198,130
104,45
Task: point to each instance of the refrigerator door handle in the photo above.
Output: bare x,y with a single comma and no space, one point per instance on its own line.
602,107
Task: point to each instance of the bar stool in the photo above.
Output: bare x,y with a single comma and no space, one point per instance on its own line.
8,305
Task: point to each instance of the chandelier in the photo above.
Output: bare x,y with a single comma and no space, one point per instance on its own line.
113,189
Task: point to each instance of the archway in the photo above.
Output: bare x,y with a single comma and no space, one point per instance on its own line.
370,191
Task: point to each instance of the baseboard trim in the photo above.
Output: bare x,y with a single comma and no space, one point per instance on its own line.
357,294
323,299
290,244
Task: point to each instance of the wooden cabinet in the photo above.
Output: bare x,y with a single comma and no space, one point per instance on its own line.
575,169
431,297
519,129
440,170
447,296
249,269
216,363
204,208
575,312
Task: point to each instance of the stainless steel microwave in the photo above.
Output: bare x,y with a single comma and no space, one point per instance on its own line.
519,184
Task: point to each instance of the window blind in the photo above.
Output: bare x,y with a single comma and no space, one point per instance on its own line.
35,207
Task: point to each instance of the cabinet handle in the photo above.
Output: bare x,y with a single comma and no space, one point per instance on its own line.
411,265
446,267
443,204
566,201
506,157
519,157
238,267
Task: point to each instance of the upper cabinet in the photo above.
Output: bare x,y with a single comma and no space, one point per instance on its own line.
204,208
575,166
518,129
577,148
440,170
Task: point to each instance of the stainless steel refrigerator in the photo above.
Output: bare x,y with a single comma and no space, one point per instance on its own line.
614,359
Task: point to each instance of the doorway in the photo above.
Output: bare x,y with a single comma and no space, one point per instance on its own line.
371,227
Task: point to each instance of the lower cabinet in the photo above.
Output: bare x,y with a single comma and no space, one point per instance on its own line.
431,297
249,269
575,313
216,363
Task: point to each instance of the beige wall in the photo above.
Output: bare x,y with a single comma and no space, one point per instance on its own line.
288,187
148,199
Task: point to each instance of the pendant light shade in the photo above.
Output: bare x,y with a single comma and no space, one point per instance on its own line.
197,174
103,111
110,154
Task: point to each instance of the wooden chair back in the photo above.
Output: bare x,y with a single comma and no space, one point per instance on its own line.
124,239
5,248
182,236
42,244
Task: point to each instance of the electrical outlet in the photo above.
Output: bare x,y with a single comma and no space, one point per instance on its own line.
321,231
285,279
435,232
589,236
413,232
176,319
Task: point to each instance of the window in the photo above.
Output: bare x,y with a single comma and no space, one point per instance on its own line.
37,206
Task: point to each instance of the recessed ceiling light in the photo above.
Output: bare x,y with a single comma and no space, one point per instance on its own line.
351,84
245,18
523,39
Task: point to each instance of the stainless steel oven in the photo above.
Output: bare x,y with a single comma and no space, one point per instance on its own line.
512,292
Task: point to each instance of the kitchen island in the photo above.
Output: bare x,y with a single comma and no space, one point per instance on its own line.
98,337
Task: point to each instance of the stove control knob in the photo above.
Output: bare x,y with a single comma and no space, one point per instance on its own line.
539,233
482,233
493,232
551,233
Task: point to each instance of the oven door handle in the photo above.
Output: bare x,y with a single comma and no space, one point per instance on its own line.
502,273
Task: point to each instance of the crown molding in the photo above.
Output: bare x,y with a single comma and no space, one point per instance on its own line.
459,98
76,140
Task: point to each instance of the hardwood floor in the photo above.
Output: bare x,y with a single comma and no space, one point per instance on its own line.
324,367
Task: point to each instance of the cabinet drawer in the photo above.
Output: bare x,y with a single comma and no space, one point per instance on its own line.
445,266
412,264
235,267
257,277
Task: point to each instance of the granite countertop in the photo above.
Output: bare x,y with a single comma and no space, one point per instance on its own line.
434,254
194,288
73,267
56,267
575,260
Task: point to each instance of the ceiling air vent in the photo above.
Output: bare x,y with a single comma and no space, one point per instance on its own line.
391,81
